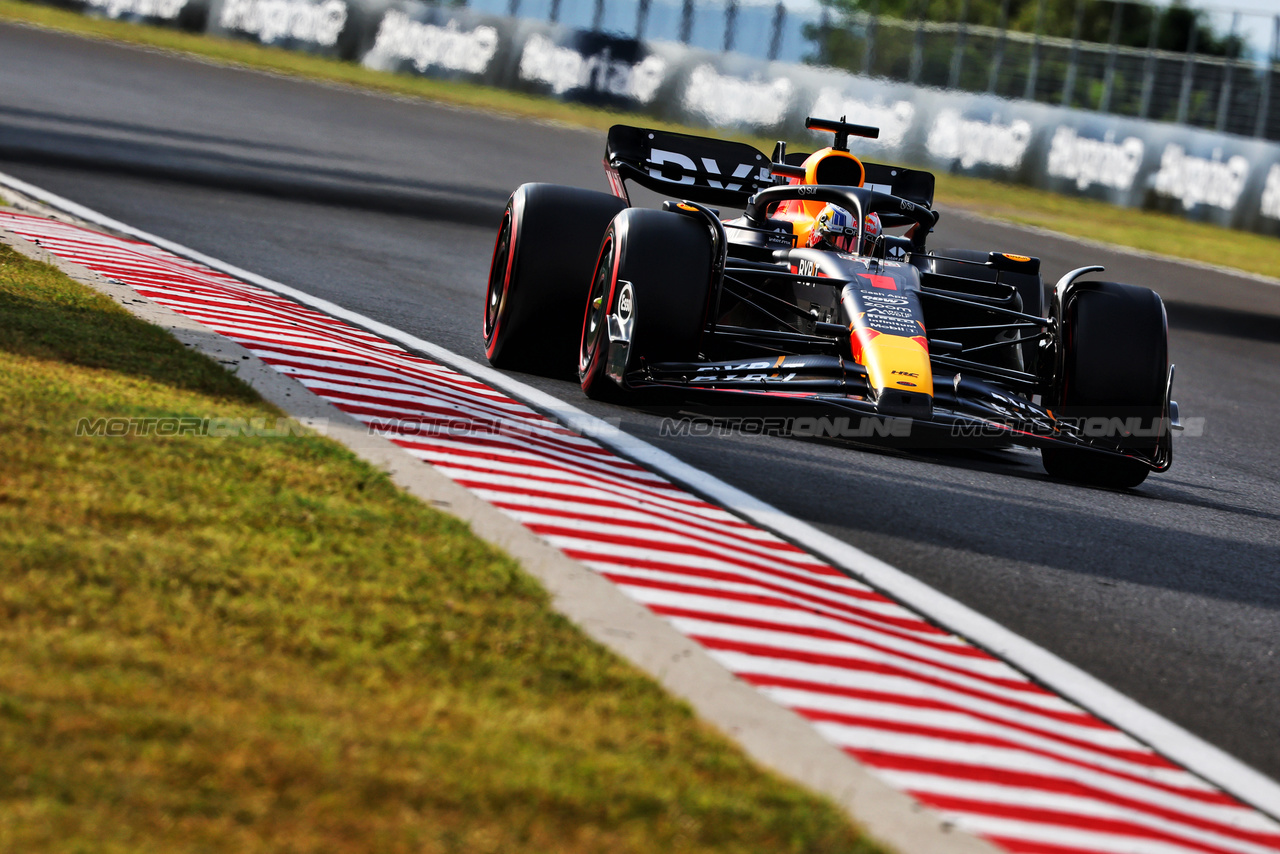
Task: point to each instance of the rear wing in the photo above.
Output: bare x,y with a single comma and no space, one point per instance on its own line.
914,185
718,172
700,169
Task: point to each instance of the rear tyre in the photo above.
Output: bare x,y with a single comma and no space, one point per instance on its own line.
542,262
1115,369
653,273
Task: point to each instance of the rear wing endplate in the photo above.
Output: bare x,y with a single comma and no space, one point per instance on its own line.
700,169
913,185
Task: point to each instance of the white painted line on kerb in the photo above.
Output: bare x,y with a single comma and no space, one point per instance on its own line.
1164,736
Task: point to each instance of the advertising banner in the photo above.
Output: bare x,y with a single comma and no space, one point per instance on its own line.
189,15
327,27
1201,175
436,41
594,68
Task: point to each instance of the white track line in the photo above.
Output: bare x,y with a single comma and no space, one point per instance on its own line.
1164,736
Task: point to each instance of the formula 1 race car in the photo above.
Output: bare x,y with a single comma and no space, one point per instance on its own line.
807,298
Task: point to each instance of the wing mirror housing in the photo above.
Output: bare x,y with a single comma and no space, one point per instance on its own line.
1007,262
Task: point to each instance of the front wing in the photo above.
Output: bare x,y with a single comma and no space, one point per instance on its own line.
829,397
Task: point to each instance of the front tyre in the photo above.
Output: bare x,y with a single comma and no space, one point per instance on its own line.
542,263
1114,381
651,284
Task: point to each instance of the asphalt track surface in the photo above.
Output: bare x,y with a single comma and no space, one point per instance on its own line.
1169,593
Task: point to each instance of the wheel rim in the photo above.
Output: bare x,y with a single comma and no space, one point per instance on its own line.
495,296
595,325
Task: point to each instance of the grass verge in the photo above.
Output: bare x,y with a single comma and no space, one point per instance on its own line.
1145,230
256,644
1149,231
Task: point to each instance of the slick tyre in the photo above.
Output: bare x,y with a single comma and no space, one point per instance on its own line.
1114,372
653,272
542,261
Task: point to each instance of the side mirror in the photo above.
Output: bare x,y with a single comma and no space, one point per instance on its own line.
1008,263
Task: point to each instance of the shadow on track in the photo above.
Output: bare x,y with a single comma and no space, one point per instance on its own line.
184,164
1042,526
1048,531
1215,320
14,115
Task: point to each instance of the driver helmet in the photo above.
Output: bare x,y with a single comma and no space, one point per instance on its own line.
835,229
872,232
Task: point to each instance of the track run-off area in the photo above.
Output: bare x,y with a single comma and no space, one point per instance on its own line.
1167,593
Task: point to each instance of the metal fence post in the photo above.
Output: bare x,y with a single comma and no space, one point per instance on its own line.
1224,96
642,18
1033,67
869,46
1264,99
730,23
1149,64
1188,73
554,15
994,76
1069,81
917,46
779,21
957,52
513,7
686,21
1109,77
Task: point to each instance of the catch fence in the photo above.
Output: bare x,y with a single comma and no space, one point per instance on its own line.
1237,94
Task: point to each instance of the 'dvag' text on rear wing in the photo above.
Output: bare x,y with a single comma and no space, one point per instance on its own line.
708,171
